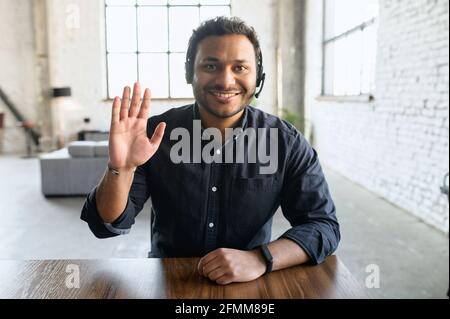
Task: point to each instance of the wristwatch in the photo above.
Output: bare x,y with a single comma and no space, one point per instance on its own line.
267,257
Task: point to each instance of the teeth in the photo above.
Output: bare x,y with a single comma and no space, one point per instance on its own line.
224,95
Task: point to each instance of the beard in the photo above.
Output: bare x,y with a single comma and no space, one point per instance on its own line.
201,96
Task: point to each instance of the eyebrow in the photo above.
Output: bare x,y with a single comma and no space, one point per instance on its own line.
214,59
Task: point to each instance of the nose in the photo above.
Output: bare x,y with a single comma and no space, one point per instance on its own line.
225,78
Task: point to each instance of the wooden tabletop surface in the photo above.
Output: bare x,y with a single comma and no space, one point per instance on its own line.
166,278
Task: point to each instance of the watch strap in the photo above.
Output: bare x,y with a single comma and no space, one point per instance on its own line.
267,257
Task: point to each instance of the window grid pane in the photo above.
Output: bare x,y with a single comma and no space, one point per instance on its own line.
122,71
152,29
120,2
209,12
349,59
369,50
152,2
215,2
328,55
153,37
343,15
182,20
178,85
153,73
184,2
121,31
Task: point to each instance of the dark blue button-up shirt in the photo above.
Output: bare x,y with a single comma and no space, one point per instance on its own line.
200,206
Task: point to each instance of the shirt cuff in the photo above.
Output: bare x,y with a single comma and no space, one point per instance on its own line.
117,231
100,228
305,239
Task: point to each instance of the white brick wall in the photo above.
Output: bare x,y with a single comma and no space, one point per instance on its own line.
396,146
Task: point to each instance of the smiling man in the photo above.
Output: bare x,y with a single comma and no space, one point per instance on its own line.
216,210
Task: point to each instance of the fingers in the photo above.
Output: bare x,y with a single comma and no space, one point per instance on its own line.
224,280
205,260
158,134
211,267
216,274
115,117
134,110
135,100
145,106
125,101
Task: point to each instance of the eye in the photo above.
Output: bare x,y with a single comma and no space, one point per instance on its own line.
240,68
209,67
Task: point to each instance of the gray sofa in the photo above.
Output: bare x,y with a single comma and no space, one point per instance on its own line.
74,170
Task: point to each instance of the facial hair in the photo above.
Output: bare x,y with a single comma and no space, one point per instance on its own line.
201,94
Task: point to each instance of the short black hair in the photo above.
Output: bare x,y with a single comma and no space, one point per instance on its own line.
217,27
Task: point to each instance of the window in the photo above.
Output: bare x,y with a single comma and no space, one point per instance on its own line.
349,47
146,41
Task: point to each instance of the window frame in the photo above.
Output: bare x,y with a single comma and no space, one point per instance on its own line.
325,96
137,52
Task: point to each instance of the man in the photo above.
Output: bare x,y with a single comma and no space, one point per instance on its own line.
216,210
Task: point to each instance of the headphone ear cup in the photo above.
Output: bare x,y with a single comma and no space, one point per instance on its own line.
259,75
260,70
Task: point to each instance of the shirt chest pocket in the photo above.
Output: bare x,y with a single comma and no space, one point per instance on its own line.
252,202
258,184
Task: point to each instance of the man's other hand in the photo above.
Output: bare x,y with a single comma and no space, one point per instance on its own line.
225,265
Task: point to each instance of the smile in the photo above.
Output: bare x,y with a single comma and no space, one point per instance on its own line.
224,96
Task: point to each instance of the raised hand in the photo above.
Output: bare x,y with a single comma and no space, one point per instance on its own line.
129,145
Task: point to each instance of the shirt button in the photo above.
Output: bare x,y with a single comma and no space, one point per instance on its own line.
214,188
218,152
211,225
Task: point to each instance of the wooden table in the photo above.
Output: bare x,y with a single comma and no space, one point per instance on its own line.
166,278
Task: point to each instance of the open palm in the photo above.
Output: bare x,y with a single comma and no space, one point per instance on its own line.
129,145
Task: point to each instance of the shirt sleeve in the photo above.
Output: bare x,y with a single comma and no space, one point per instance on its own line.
307,204
139,193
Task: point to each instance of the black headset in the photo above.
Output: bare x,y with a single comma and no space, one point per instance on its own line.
260,76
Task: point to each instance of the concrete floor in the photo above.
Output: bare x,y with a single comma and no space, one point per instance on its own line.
412,257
